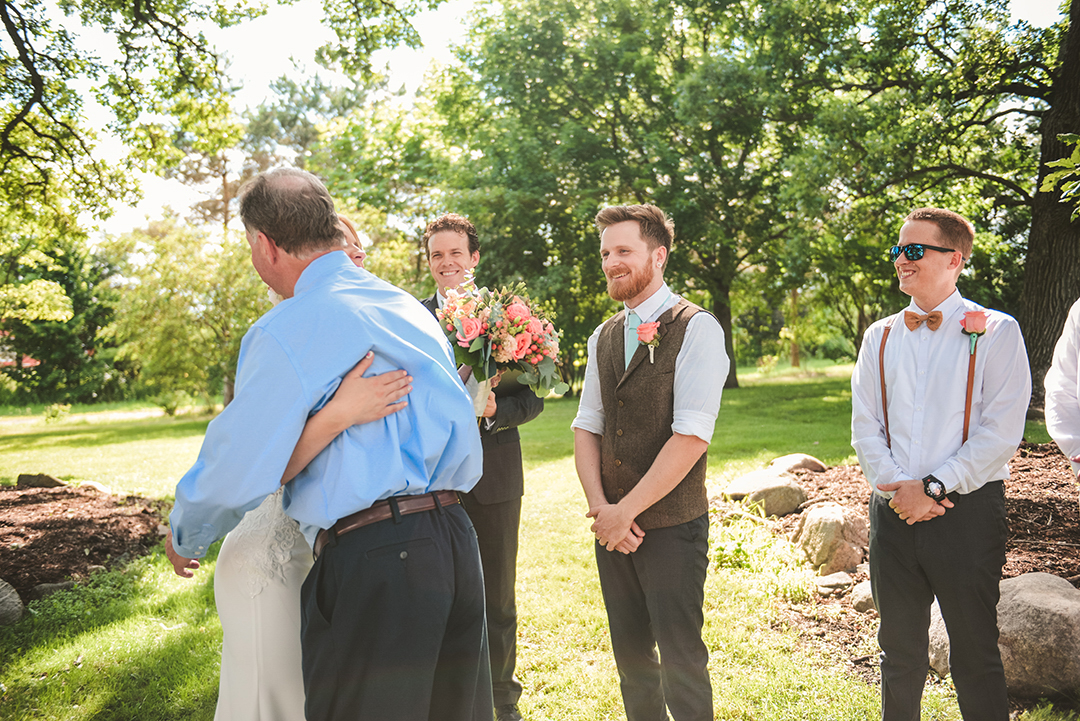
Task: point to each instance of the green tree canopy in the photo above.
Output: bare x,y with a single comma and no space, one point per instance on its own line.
186,302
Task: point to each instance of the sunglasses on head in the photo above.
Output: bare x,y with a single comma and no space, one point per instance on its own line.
914,251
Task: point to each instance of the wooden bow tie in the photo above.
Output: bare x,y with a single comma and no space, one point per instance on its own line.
912,320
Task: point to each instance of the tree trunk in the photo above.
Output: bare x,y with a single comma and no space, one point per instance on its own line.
794,325
229,390
1052,267
721,308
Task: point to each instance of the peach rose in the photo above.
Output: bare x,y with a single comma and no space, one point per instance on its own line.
523,343
647,331
974,322
470,329
518,311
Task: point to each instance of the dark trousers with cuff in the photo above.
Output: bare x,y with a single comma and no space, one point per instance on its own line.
497,527
654,599
393,623
957,557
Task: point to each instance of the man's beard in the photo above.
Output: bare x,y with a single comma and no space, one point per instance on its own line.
627,288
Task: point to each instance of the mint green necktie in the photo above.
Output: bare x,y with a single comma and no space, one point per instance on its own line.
632,339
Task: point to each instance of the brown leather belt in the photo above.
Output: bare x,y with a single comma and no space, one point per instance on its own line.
382,510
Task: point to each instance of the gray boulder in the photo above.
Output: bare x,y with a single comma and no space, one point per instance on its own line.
778,499
39,480
939,641
862,598
796,461
832,538
833,584
1039,624
11,608
47,589
743,486
1039,636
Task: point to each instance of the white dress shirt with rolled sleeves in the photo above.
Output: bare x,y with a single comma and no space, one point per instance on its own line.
1062,384
926,386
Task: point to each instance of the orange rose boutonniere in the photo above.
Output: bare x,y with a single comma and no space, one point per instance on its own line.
646,333
974,325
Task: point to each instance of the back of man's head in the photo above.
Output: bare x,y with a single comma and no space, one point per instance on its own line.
294,209
656,228
954,230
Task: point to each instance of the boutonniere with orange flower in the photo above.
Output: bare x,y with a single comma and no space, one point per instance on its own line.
974,325
646,333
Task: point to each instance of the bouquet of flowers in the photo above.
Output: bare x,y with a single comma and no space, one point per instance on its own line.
501,329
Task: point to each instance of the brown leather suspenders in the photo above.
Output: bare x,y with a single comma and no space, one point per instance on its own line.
884,398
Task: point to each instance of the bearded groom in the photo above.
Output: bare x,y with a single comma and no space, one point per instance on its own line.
652,389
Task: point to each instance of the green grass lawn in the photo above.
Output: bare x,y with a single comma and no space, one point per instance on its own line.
142,643
146,456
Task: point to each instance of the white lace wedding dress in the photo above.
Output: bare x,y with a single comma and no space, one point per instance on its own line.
260,568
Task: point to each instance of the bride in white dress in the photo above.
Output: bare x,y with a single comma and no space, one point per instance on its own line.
264,560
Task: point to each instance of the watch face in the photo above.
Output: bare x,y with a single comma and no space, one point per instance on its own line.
937,488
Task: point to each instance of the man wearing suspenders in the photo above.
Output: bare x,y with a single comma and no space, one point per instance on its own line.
939,398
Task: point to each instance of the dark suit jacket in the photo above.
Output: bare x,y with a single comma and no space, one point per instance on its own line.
503,478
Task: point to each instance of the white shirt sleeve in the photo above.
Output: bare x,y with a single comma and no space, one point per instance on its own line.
590,415
867,420
1062,392
701,368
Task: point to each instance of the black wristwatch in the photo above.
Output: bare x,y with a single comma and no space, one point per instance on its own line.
933,488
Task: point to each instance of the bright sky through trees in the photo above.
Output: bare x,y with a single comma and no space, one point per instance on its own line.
264,49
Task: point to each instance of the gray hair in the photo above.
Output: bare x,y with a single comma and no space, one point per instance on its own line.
294,209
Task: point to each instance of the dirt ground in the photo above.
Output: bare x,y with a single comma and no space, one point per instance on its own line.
49,535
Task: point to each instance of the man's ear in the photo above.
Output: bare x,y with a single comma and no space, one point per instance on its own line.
661,256
268,247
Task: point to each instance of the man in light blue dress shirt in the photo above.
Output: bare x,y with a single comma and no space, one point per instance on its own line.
393,609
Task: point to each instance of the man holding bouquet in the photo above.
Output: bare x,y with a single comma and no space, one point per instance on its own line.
494,505
652,389
939,397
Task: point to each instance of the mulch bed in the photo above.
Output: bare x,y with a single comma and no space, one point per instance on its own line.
48,535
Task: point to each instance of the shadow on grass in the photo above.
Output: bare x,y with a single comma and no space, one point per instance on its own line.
88,436
174,678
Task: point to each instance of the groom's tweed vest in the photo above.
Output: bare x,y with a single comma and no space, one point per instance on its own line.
638,413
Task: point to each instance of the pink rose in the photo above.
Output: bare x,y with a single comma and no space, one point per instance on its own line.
647,331
974,322
470,329
523,342
518,311
535,326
